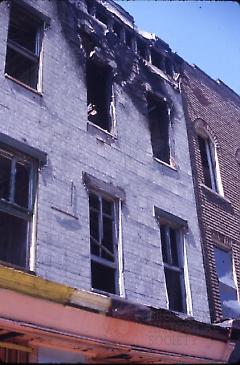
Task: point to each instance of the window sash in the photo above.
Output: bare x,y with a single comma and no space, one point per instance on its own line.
171,267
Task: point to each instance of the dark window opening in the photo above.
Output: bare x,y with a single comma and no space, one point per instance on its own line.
172,251
99,94
141,48
159,128
16,208
208,162
169,67
101,16
227,287
128,39
23,47
117,29
89,4
103,244
157,59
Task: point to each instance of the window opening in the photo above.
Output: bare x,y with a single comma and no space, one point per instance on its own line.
128,39
99,94
227,287
141,48
168,66
173,260
159,128
103,241
157,59
101,16
13,356
24,47
16,207
117,29
208,160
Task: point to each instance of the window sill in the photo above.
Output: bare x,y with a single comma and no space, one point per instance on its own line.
164,163
101,134
215,197
24,85
106,294
16,267
165,168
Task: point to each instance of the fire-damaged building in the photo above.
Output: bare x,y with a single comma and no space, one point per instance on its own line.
119,217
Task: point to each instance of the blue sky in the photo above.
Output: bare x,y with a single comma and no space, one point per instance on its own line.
206,33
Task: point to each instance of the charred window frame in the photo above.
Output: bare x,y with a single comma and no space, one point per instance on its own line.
159,123
101,15
141,48
99,94
104,233
157,59
227,286
173,261
18,179
24,46
208,162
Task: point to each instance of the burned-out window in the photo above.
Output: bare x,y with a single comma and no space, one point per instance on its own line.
17,186
227,286
99,94
101,14
128,39
103,240
117,29
173,260
208,160
159,124
24,47
141,48
156,59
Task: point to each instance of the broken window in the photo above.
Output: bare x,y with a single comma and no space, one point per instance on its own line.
156,59
159,128
227,287
169,67
24,47
103,240
141,48
17,181
101,15
99,94
173,260
128,39
117,29
208,159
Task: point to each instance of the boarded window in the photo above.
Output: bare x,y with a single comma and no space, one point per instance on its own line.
99,94
103,240
173,260
227,287
159,128
17,176
24,47
208,160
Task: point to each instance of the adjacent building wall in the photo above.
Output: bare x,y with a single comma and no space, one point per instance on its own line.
212,106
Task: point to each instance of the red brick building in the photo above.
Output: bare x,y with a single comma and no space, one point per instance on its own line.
213,122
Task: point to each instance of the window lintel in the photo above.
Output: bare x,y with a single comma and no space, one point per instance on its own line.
168,218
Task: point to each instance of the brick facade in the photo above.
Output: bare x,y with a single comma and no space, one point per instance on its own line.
215,108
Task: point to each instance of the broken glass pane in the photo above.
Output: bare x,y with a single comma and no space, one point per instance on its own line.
5,177
22,180
13,239
174,283
23,29
164,244
103,277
